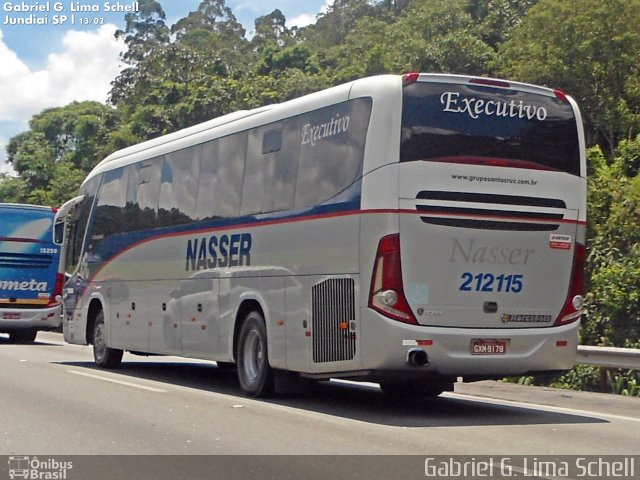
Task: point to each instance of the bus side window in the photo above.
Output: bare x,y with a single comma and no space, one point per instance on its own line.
178,187
220,179
331,151
143,189
272,141
58,232
109,209
271,168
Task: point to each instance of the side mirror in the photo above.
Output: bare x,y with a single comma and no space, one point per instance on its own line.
64,210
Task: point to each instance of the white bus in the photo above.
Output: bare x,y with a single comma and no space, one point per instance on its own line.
406,230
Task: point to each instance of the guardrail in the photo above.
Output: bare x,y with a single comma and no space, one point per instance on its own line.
609,357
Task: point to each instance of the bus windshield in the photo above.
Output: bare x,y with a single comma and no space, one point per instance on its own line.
479,124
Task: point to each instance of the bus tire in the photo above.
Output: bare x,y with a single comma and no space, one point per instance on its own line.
23,336
254,372
103,355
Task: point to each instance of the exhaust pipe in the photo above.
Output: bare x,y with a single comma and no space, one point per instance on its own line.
417,357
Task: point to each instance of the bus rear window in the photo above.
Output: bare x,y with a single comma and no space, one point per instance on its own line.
489,126
26,224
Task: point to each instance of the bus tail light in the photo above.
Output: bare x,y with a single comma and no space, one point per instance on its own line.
560,95
572,308
387,292
490,82
409,78
56,297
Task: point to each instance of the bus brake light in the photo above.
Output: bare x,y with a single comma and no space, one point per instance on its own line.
560,95
56,297
572,308
409,78
387,291
490,82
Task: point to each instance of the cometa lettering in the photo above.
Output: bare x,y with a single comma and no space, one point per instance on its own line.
31,286
476,107
218,252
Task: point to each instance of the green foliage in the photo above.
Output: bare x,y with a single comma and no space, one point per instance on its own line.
437,36
58,150
12,189
613,264
588,48
593,379
625,383
582,377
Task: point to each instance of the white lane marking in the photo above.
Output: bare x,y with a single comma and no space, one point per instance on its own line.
119,382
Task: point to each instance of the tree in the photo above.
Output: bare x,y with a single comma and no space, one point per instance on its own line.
271,34
497,18
145,33
437,36
62,145
333,26
613,266
12,189
589,49
179,82
214,29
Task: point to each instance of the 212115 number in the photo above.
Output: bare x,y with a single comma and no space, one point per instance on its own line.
488,282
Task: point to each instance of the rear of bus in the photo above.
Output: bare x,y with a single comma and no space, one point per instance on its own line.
30,280
484,276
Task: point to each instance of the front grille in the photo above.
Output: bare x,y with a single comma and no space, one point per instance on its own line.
333,313
490,211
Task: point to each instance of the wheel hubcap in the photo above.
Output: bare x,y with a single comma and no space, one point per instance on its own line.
253,356
98,343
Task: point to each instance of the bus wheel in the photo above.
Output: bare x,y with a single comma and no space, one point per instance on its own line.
104,356
23,336
254,373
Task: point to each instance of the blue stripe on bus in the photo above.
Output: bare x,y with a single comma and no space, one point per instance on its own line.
117,244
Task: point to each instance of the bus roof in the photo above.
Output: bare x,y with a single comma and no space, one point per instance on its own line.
25,206
221,126
246,119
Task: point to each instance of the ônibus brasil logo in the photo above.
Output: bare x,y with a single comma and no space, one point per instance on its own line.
36,469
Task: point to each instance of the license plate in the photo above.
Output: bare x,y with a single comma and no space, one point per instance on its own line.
11,316
489,346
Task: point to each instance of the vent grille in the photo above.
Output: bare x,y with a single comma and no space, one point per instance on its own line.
489,211
23,260
333,312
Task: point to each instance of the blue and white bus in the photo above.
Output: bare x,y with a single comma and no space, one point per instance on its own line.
406,230
30,276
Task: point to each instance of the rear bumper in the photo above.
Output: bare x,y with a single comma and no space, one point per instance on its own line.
385,345
13,319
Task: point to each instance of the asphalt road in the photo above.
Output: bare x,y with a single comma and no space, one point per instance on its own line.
55,402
